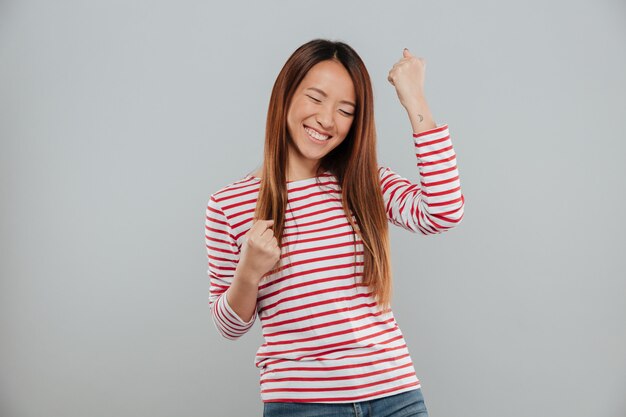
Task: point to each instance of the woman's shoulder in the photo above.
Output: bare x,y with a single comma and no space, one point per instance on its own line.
384,170
237,187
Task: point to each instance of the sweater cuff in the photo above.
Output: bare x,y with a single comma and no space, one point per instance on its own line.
243,325
437,129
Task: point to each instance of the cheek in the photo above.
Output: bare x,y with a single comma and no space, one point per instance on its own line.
345,127
293,120
300,108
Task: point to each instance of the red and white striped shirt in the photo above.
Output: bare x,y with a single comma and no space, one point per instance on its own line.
324,339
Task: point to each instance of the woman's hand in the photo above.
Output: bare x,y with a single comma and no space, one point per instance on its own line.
407,76
259,252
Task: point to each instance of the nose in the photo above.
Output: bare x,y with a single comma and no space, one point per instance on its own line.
325,117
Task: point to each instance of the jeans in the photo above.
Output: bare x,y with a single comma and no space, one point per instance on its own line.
405,404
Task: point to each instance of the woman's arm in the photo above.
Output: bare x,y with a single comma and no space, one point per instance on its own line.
420,115
436,203
231,300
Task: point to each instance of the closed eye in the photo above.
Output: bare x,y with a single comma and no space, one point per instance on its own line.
312,98
319,101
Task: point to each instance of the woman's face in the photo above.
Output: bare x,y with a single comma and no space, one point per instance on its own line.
320,115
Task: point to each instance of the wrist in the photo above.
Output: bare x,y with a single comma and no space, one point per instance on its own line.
416,105
421,120
246,278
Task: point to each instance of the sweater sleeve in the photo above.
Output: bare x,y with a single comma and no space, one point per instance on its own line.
223,256
435,204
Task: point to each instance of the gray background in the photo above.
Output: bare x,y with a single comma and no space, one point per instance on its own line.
118,120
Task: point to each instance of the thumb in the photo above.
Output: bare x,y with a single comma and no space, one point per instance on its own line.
406,53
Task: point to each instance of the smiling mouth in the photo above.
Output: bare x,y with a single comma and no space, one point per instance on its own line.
316,136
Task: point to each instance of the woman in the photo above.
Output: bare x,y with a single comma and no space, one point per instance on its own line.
323,293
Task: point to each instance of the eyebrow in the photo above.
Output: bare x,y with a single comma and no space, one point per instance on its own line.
326,95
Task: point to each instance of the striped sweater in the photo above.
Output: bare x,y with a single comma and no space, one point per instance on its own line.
324,339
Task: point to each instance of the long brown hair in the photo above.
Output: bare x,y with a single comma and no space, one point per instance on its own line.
353,161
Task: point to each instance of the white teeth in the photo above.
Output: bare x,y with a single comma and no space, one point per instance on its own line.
315,134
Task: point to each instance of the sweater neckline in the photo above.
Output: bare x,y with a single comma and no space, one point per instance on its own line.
303,180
